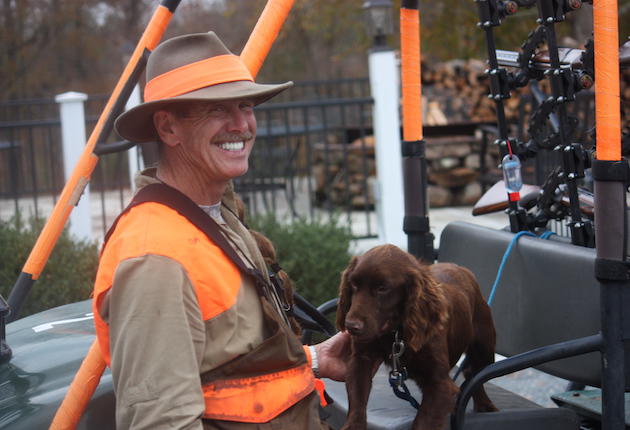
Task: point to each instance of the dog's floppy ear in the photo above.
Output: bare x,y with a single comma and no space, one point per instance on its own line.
345,294
425,310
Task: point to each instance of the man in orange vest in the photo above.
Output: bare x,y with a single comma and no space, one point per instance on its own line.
196,337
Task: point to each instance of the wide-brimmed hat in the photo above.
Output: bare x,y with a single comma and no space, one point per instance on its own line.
194,67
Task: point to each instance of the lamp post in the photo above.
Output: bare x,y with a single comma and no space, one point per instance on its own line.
378,17
384,86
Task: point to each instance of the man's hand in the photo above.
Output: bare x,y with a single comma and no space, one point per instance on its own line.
333,356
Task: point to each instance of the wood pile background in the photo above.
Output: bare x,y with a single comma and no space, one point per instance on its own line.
453,92
459,88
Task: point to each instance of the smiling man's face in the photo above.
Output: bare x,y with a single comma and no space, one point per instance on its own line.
216,138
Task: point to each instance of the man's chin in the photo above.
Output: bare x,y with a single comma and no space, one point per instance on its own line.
237,173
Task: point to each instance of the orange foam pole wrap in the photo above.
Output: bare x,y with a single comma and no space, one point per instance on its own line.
81,390
411,83
87,162
265,33
607,115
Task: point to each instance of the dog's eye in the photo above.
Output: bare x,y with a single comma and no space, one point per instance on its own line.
381,289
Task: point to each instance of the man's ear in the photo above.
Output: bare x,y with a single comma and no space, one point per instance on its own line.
165,125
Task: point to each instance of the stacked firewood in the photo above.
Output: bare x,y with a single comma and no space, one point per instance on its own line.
344,173
459,90
453,92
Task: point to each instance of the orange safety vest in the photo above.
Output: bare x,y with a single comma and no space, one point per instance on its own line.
267,391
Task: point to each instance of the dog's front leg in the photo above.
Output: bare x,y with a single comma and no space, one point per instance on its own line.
358,387
438,401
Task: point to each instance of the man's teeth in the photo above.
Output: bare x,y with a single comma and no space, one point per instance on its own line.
232,146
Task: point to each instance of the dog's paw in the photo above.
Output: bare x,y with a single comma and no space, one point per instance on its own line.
351,426
486,407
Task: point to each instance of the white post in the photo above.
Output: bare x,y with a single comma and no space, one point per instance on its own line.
132,154
389,195
72,114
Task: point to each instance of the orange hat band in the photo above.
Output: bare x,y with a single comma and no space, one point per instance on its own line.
193,76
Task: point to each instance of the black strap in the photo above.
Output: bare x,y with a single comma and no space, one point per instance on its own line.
172,198
614,171
414,148
415,224
612,270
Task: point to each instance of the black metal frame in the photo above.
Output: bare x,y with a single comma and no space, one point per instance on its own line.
519,362
611,181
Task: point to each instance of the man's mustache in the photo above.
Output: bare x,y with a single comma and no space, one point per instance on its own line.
234,137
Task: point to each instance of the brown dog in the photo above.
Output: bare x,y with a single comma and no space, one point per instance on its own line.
439,313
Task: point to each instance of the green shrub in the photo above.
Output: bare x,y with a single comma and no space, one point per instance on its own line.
67,277
313,253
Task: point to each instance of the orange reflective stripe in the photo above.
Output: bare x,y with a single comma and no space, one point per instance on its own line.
410,71
607,98
257,399
321,388
193,76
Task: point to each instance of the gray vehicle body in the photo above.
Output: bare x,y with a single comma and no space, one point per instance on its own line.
48,349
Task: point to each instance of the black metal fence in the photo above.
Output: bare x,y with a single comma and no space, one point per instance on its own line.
304,139
30,154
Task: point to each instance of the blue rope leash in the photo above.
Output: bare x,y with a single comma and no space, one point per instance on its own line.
545,235
397,382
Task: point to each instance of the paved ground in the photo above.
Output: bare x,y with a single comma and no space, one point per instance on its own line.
533,385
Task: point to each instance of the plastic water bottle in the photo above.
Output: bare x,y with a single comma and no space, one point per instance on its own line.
512,173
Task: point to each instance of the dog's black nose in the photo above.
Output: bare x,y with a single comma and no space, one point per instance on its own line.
354,327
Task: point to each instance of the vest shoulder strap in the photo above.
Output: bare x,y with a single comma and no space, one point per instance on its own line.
174,199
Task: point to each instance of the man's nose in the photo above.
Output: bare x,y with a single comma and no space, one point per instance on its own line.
238,122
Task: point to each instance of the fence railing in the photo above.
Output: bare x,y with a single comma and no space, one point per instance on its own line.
31,162
297,165
300,164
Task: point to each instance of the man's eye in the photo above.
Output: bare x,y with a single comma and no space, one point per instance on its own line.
247,106
217,109
381,289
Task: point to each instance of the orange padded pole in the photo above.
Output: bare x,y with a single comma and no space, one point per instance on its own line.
411,83
265,33
81,390
87,162
607,115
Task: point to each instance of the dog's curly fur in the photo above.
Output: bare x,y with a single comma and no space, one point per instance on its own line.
439,312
